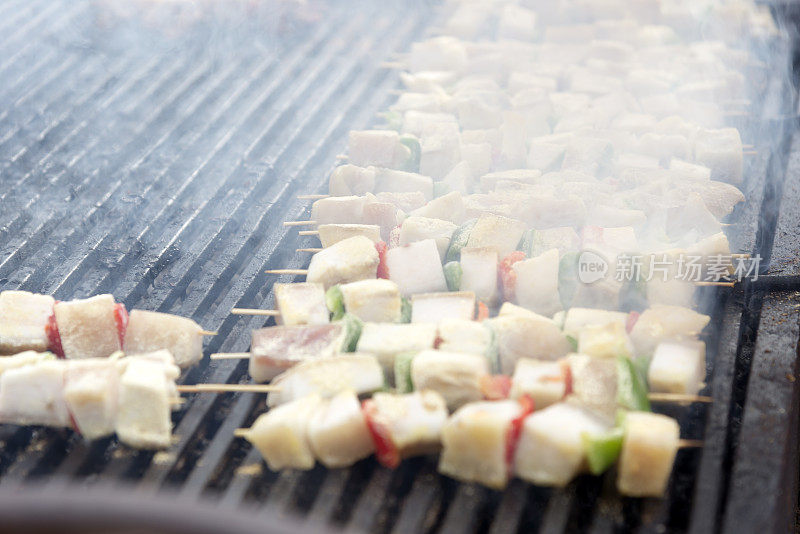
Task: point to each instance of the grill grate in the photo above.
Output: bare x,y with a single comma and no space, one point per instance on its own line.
155,155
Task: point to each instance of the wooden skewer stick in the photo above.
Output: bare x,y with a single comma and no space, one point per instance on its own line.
226,388
749,152
300,223
312,197
254,311
207,333
740,256
308,232
678,397
287,271
241,432
308,250
342,157
748,147
716,284
230,356
690,443
392,65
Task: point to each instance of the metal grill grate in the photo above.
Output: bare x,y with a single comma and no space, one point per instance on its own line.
154,154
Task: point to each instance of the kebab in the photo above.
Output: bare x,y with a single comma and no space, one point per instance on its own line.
95,327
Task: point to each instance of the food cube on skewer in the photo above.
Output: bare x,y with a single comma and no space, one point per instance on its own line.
458,335
386,340
281,434
416,268
576,319
649,445
435,307
536,286
91,389
373,300
150,331
550,451
522,336
395,181
405,425
328,376
594,384
301,303
29,357
338,210
348,260
146,390
478,442
34,395
277,348
479,273
90,328
338,433
449,207
678,367
455,376
381,148
350,179
330,234
416,229
721,151
545,382
23,318
661,322
497,232
605,341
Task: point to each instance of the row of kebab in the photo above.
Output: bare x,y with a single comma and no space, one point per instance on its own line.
444,311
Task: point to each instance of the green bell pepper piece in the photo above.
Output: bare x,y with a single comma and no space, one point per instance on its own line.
334,300
492,350
531,243
459,240
352,331
405,310
602,450
402,372
452,274
631,386
415,152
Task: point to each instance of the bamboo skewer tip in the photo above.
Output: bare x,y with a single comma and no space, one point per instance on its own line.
207,333
678,397
255,311
241,432
230,355
300,223
690,443
286,271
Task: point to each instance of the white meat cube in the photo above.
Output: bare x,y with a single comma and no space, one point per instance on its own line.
523,176
91,388
434,307
281,434
605,341
550,451
459,335
375,301
412,421
456,376
545,156
649,446
661,322
439,153
475,443
460,179
526,336
564,239
537,283
589,155
416,122
594,384
88,327
449,207
427,80
416,228
23,359
497,232
144,408
416,268
330,234
386,340
301,303
543,381
690,171
385,215
277,348
678,367
479,273
392,181
402,200
23,317
721,151
338,433
374,147
338,210
437,54
349,260
349,180
517,22
478,156
149,331
34,395
576,319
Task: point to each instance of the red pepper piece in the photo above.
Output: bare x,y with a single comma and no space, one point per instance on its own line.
383,269
495,387
53,336
508,276
515,429
567,379
385,450
483,312
631,321
121,318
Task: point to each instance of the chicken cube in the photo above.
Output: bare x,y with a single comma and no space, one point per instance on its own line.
459,335
536,286
393,181
411,422
281,434
338,433
523,336
721,151
338,210
594,384
576,319
381,148
497,232
416,268
605,341
449,207
456,376
144,418
301,303
274,349
479,273
149,331
350,260
434,307
662,322
550,451
475,442
543,381
91,388
649,445
330,234
88,327
23,317
416,229
349,180
678,367
23,359
376,301
34,395
386,340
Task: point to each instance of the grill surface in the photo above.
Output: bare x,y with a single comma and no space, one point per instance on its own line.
152,151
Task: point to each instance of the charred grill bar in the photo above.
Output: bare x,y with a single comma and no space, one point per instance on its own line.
156,158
